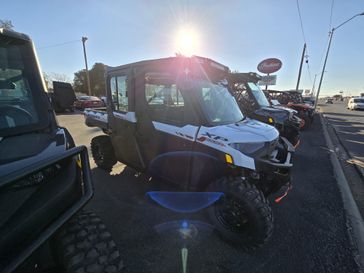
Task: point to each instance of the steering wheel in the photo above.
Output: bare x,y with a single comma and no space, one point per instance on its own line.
18,114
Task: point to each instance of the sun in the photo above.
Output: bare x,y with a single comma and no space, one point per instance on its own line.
187,41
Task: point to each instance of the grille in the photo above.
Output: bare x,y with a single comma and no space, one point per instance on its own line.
272,145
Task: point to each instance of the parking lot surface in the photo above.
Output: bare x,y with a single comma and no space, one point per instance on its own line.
310,232
349,126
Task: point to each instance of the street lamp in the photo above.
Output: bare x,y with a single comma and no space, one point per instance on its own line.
331,33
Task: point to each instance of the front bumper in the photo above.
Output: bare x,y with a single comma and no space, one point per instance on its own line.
291,131
276,160
43,217
361,107
275,172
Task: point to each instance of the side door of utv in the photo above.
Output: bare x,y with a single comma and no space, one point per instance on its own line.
167,128
122,118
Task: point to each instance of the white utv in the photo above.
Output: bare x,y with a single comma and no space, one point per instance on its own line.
176,120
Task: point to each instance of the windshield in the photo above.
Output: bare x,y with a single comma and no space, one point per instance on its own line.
359,100
17,102
218,105
258,94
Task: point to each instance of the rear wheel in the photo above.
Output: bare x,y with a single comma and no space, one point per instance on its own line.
103,152
243,215
84,245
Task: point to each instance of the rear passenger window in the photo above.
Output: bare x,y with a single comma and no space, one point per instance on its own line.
119,93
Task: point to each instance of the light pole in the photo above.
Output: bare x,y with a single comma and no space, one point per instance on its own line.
314,83
84,39
331,33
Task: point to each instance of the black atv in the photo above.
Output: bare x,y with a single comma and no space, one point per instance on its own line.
45,180
254,104
175,120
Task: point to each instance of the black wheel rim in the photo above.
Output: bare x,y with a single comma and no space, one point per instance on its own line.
231,213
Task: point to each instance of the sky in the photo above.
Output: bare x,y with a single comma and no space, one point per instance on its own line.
238,34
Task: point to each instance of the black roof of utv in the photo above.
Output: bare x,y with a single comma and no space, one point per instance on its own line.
14,34
244,77
197,66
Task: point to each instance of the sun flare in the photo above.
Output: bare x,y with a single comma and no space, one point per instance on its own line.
187,42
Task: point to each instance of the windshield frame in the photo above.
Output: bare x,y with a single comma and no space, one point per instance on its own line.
253,94
36,86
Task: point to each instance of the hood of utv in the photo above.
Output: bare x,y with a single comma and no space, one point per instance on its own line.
279,115
246,131
23,150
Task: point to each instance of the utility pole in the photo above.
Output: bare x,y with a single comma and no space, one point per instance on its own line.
331,33
314,82
84,39
323,68
300,70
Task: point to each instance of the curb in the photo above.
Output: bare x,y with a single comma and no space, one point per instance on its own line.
355,223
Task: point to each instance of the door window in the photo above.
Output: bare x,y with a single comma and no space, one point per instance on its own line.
119,93
164,101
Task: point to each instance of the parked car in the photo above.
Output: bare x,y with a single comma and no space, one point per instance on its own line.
88,102
329,101
356,103
309,100
181,125
45,180
104,99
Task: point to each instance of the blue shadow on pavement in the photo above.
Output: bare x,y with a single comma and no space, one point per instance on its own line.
184,202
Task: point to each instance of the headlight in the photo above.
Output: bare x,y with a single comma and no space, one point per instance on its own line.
248,148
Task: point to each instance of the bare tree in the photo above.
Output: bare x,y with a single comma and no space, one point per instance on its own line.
6,24
49,78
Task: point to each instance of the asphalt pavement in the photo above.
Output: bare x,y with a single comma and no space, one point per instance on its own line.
310,232
346,130
349,126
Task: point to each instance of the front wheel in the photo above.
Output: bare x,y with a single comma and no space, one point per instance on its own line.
243,215
85,245
103,152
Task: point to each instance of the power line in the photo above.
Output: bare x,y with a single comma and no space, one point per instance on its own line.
60,44
304,39
299,14
330,25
